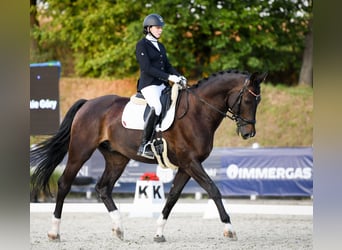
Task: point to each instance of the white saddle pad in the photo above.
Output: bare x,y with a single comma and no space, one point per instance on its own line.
133,114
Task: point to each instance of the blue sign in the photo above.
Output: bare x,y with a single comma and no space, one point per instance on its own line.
236,172
267,172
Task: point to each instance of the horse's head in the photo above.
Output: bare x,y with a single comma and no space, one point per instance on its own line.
243,104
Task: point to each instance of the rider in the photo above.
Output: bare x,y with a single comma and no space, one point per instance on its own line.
155,72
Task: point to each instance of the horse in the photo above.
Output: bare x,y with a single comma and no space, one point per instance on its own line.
96,124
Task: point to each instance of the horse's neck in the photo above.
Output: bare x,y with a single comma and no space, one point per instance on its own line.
215,91
218,89
213,95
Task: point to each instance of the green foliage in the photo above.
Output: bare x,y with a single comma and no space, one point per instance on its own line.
201,36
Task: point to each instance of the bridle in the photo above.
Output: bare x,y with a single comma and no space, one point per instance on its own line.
240,121
237,117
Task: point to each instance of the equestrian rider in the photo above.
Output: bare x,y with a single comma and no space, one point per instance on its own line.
155,72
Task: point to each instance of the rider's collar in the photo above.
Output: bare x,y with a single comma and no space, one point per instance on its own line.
151,38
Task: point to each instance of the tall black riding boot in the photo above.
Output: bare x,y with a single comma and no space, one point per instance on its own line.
150,123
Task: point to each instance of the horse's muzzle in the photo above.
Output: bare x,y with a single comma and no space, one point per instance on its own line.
246,132
248,135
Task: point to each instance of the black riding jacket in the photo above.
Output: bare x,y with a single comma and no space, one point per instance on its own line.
155,67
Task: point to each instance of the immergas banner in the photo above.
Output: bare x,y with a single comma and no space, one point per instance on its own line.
44,98
236,172
267,172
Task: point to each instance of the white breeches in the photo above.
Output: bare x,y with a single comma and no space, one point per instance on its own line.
152,95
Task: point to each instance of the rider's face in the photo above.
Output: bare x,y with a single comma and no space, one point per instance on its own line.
156,31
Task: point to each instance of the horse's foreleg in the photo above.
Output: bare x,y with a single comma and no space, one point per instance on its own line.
178,184
115,164
198,173
104,193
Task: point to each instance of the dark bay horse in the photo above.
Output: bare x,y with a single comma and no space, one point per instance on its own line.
96,124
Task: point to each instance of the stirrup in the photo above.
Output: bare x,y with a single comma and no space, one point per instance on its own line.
147,153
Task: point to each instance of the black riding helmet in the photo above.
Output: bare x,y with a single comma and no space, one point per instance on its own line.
152,20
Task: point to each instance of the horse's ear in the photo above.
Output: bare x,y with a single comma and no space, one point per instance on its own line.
263,76
258,78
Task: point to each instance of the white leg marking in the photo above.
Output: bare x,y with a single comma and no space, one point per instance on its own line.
160,225
229,231
117,224
228,227
116,219
159,237
53,233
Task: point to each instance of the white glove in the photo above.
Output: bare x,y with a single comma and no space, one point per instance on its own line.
183,82
174,78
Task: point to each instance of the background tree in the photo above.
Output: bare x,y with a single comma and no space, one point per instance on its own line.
97,38
306,77
33,24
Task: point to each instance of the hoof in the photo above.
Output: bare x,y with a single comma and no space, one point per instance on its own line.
159,239
118,233
54,237
230,235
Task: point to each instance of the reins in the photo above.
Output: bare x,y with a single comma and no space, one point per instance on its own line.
207,103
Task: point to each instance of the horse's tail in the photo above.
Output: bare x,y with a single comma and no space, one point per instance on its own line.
46,155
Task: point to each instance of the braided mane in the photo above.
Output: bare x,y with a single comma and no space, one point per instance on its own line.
228,71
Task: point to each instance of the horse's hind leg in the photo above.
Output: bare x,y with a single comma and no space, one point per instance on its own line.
74,164
178,184
115,165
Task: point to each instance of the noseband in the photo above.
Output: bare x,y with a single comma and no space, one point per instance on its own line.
240,121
